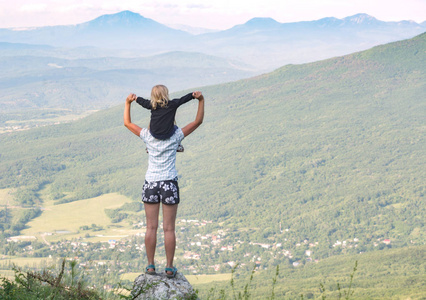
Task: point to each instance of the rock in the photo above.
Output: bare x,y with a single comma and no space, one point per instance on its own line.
160,287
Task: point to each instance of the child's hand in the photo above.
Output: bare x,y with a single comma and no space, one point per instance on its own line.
131,98
198,95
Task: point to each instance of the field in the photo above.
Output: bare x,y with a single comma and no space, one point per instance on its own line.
26,263
42,117
63,221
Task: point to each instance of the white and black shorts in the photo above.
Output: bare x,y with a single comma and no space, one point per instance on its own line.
166,191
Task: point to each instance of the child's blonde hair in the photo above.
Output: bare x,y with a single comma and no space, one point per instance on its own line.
159,96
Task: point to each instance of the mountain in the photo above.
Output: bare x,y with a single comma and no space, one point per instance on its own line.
310,168
267,43
321,162
117,31
191,29
48,82
124,19
256,24
362,19
329,150
261,42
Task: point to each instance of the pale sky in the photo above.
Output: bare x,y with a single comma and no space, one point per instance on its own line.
214,14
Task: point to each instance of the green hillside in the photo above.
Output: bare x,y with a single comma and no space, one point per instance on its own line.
308,157
390,274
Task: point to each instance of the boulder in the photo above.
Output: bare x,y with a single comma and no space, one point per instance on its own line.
160,287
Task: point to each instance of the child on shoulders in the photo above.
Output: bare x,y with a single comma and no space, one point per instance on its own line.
163,111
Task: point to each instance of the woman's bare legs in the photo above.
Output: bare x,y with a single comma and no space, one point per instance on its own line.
151,213
169,221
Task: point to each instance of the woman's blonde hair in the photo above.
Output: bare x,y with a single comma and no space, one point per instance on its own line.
159,96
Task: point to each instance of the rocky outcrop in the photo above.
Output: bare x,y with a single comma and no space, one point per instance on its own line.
160,287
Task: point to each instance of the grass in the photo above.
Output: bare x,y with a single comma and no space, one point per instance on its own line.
84,212
9,274
203,279
6,264
47,284
27,261
386,274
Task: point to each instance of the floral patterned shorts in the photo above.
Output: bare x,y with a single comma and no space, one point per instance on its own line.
166,191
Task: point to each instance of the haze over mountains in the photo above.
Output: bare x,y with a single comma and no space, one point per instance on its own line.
67,70
48,82
261,42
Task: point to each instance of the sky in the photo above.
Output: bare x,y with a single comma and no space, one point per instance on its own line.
212,14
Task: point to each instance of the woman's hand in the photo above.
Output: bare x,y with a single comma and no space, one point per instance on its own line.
131,98
127,119
198,95
188,129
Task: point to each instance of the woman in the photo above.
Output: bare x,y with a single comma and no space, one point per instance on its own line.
161,183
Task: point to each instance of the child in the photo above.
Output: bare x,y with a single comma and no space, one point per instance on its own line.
163,112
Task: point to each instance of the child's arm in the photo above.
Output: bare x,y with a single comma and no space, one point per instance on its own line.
188,129
144,102
184,99
127,120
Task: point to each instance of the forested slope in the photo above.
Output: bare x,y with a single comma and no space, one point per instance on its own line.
328,150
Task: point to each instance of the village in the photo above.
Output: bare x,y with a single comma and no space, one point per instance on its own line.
198,251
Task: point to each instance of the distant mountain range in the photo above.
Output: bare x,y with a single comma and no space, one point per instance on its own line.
37,79
261,42
125,30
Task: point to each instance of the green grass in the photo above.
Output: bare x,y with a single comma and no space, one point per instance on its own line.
6,264
9,274
27,261
206,279
387,274
46,284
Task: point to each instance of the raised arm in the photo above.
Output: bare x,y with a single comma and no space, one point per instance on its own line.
127,120
184,99
144,102
188,129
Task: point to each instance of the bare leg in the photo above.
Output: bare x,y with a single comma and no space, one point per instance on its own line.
151,213
169,221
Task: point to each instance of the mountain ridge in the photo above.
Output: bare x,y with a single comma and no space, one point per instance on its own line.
128,20
261,42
